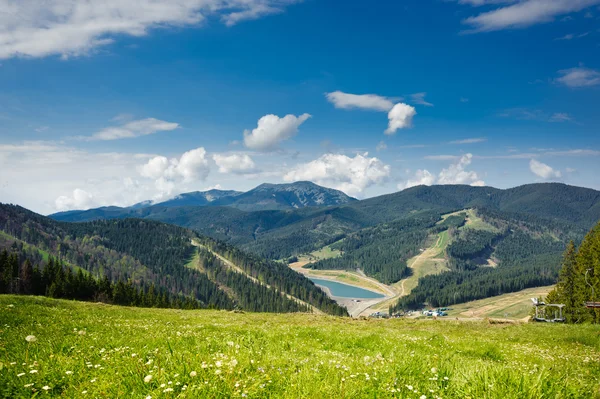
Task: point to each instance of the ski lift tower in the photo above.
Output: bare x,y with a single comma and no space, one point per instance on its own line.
558,314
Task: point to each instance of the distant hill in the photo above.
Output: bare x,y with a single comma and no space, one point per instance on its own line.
264,197
281,233
172,258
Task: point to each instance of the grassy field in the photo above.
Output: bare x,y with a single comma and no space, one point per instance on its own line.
100,351
515,305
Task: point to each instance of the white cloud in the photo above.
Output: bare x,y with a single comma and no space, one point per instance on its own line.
271,130
524,13
579,77
400,117
542,170
33,28
80,199
455,173
142,127
234,163
361,101
422,177
191,166
419,98
351,175
469,141
36,174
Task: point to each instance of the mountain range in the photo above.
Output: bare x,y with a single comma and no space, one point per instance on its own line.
497,240
264,197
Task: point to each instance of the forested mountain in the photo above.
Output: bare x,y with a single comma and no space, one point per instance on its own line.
526,252
146,253
282,233
264,197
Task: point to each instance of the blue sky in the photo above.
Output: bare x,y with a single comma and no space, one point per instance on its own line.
115,103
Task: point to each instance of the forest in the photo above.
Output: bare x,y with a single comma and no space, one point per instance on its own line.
145,253
579,280
528,252
19,274
381,252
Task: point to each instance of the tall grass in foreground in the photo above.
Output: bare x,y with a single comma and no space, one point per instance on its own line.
99,351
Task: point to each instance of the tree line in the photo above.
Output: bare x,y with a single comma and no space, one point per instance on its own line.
579,280
19,275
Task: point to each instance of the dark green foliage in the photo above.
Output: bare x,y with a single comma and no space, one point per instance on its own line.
471,248
468,285
146,253
277,275
527,251
56,280
579,280
382,251
280,234
248,294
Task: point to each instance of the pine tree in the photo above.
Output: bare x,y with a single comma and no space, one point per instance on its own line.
587,283
27,278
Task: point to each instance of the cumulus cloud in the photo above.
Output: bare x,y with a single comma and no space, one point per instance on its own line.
455,173
359,101
400,117
544,171
142,127
523,13
80,199
234,163
33,28
167,173
579,77
349,174
421,177
419,98
272,130
192,165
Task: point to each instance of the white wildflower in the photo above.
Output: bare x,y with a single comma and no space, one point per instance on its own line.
30,338
33,372
20,374
45,387
148,378
68,372
193,374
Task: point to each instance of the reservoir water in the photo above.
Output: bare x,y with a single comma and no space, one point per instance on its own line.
345,290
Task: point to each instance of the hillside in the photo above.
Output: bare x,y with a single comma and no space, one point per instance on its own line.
98,350
145,252
264,197
282,233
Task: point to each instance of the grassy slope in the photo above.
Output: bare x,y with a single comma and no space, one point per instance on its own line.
295,356
515,305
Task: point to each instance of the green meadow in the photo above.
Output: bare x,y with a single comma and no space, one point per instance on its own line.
88,350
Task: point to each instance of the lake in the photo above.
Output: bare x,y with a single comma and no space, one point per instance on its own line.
345,290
